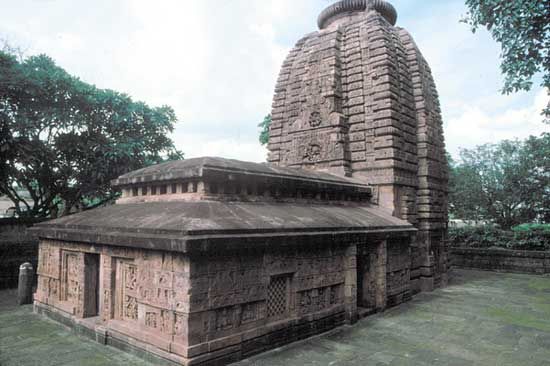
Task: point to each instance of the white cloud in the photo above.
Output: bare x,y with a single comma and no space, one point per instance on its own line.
216,61
474,126
198,145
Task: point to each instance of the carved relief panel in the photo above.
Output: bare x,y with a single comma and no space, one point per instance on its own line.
314,133
318,299
127,303
70,281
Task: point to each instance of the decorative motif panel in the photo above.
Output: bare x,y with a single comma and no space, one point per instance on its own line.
70,281
129,276
318,299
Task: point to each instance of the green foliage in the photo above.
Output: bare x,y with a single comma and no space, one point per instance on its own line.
522,28
492,237
64,140
545,228
264,129
506,183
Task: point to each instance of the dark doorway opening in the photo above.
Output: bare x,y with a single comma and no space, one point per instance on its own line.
91,285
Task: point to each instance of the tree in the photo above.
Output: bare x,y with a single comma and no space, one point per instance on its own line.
537,156
64,140
507,183
464,192
264,129
522,28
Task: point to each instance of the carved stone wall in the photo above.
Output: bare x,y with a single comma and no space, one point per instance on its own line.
371,75
398,264
309,100
141,293
249,294
430,254
203,306
371,275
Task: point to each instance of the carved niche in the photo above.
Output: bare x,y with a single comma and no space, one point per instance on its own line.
317,299
128,290
70,281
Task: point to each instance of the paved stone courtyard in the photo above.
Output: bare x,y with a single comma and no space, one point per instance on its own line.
482,318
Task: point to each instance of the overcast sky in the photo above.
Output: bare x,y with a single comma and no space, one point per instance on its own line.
216,62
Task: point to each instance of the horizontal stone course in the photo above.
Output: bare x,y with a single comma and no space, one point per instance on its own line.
501,260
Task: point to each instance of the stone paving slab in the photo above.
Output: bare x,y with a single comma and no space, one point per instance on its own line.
481,319
29,339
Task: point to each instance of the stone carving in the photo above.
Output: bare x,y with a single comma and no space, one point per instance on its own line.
179,325
130,307
312,301
318,299
130,277
315,119
225,318
106,304
251,312
151,319
129,290
71,270
166,320
51,285
336,294
312,153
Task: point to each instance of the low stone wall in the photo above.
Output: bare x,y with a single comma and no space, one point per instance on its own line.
17,246
501,260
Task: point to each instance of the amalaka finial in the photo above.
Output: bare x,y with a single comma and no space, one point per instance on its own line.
347,6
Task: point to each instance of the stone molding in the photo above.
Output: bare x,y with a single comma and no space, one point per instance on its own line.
345,6
501,260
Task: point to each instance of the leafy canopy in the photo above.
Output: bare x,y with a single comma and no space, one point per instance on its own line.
522,27
64,140
264,129
507,183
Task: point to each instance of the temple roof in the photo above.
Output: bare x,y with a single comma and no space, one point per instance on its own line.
205,166
175,226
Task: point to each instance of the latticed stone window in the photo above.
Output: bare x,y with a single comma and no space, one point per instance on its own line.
278,296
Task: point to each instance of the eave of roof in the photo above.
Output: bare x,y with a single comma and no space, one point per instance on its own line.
187,226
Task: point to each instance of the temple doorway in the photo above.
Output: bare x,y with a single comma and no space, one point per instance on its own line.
91,279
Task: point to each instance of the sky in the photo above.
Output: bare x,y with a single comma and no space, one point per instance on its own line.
216,62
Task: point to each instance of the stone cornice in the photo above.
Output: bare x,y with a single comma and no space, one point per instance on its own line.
345,6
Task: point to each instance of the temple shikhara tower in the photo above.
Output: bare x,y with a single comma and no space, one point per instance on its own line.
209,260
357,98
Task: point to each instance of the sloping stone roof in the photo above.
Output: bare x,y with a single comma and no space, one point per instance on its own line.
174,225
200,167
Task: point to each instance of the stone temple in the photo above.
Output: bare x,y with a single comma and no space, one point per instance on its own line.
210,260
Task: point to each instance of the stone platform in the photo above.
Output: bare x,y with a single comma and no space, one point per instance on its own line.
482,318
